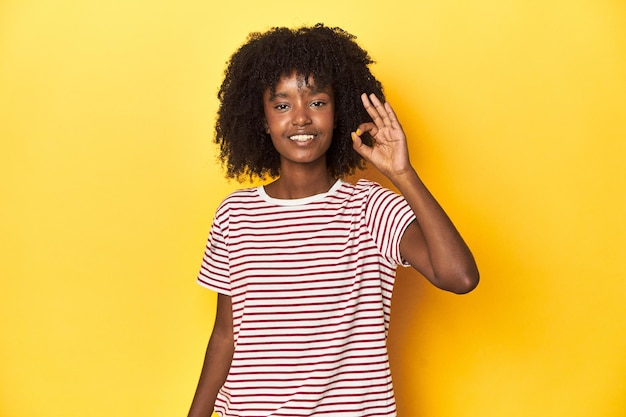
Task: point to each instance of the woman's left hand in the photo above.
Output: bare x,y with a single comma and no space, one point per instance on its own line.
389,152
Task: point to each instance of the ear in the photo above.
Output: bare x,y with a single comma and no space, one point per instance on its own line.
266,126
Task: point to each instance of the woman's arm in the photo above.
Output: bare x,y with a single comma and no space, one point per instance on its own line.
219,354
431,244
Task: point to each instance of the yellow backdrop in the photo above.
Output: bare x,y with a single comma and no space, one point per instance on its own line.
516,115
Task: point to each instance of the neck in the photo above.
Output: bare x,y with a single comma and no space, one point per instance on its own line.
300,184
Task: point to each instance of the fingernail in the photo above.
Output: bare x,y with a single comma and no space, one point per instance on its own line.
358,132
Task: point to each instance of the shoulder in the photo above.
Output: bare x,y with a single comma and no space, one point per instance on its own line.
380,199
362,186
242,195
368,194
366,185
371,188
238,199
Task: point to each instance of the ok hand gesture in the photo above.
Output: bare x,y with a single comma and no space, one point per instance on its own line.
389,152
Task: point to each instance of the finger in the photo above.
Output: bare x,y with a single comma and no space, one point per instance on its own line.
368,127
392,116
372,109
360,147
381,111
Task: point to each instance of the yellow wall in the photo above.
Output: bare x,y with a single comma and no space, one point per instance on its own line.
516,112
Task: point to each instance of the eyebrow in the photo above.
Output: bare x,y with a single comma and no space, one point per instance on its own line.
312,88
274,96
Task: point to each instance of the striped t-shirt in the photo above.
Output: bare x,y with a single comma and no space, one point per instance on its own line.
310,282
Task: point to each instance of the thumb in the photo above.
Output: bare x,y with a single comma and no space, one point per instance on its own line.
360,147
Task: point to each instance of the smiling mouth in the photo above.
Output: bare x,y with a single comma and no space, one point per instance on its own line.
301,138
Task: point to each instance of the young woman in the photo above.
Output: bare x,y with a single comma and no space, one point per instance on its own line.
304,266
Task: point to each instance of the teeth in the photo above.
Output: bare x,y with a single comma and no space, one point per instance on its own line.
301,138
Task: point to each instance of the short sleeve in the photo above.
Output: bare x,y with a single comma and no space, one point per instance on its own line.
387,217
214,270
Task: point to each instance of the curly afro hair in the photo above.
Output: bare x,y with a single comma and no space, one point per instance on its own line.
330,56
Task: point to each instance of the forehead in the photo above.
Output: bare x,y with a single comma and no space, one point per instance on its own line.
296,83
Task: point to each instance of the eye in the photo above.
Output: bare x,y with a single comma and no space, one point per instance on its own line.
281,107
318,103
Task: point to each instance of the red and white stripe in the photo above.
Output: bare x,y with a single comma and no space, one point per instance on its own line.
311,282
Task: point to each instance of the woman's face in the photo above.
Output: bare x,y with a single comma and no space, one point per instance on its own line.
300,119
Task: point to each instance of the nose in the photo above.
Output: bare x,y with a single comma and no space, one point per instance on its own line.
301,116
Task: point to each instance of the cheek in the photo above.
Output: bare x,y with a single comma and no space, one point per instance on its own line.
331,120
274,123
